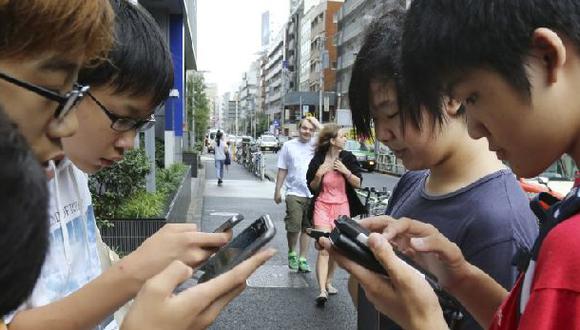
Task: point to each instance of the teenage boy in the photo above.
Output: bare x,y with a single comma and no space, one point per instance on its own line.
515,65
293,160
447,169
24,203
71,293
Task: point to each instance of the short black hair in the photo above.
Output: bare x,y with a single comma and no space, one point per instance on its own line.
24,219
140,62
443,39
379,59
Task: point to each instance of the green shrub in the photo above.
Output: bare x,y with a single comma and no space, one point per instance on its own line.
168,179
119,191
112,186
142,205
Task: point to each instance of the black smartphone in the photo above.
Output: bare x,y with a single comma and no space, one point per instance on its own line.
229,224
316,234
243,246
352,239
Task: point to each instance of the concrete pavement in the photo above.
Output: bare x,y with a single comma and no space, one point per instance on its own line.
275,298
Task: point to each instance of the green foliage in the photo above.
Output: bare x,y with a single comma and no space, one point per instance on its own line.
198,146
197,108
142,205
168,179
159,153
111,186
262,124
119,191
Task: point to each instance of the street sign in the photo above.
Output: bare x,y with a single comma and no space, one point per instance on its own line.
304,109
276,123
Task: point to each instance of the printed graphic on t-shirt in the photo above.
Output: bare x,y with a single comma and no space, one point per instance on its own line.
57,281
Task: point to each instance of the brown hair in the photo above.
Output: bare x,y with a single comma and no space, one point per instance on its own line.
30,27
328,132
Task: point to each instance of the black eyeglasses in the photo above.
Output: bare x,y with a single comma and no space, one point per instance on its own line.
124,124
66,103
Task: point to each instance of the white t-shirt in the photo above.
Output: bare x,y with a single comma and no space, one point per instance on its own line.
220,151
72,260
295,156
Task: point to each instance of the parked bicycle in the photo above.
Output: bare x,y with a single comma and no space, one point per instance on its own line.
375,202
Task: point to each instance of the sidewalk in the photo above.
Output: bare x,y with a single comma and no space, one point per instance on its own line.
275,298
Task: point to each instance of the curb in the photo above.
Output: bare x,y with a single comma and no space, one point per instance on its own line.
197,189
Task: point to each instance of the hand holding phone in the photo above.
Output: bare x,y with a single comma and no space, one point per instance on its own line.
316,234
352,240
243,246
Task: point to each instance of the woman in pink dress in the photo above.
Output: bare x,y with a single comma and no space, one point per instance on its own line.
332,176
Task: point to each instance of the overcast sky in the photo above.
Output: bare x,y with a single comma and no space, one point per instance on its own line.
228,36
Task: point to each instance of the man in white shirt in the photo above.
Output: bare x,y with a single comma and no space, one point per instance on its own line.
293,160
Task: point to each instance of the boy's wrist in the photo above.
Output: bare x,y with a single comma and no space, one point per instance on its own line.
463,278
129,270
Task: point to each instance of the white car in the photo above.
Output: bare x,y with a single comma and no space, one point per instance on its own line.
268,142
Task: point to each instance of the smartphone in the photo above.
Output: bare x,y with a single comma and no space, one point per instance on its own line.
229,224
316,234
243,246
352,239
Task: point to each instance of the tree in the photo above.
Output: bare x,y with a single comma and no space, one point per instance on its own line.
197,106
262,124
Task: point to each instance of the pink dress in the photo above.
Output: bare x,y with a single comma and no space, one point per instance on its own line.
331,201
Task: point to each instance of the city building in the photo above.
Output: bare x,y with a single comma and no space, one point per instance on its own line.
272,76
352,19
248,93
178,21
211,91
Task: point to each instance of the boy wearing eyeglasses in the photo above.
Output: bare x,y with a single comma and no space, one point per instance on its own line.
71,292
43,44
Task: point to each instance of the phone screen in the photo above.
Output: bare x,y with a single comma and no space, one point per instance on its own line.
234,253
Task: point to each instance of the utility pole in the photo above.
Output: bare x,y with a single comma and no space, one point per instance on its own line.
237,101
321,80
283,117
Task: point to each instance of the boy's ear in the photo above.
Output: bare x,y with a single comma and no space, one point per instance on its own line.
451,107
549,47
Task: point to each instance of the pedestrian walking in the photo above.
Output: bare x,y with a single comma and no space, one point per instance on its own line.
332,176
220,154
293,160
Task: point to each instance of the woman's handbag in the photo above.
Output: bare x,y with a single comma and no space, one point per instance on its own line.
228,160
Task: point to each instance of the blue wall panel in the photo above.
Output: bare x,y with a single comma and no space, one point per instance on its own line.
176,105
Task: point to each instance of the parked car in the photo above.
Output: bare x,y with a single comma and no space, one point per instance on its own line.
363,154
268,142
281,140
557,178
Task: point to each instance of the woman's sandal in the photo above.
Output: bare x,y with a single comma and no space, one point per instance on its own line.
331,290
321,299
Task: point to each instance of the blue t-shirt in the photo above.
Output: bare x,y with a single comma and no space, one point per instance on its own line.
489,220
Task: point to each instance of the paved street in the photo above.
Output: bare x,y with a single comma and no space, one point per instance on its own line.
373,179
275,298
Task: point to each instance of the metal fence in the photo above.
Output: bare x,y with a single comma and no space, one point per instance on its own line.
126,235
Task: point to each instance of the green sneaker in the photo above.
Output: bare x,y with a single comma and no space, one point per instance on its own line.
292,260
303,265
